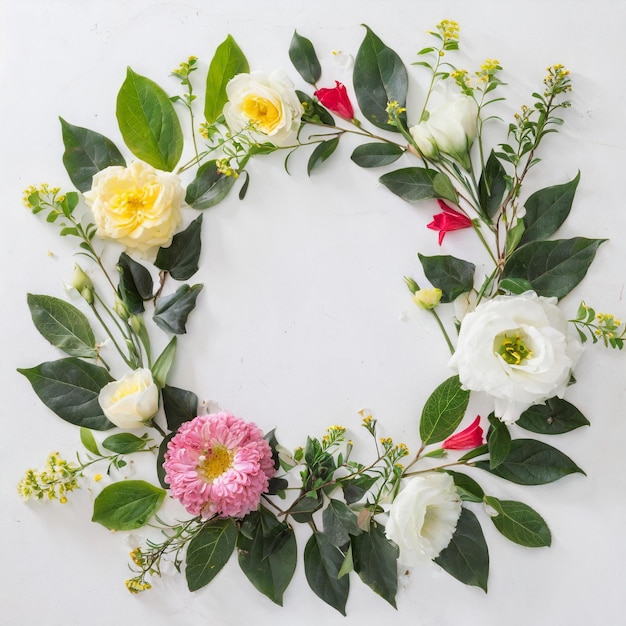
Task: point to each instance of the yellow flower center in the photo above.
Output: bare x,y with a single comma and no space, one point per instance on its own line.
127,389
215,462
512,348
134,206
262,114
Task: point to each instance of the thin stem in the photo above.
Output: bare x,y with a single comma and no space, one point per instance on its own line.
443,330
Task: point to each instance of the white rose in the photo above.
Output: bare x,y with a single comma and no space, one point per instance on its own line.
423,517
518,350
267,104
137,205
450,128
131,401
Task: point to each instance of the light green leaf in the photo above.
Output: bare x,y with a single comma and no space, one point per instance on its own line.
148,122
443,411
519,523
164,362
127,505
89,441
124,443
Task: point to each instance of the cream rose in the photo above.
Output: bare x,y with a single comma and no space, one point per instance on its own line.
267,104
131,401
451,129
518,350
423,517
137,205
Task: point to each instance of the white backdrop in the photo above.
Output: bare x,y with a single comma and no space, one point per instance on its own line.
304,318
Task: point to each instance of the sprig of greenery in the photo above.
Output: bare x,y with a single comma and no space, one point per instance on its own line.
599,326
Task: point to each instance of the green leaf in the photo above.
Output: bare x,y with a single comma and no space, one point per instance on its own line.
339,523
547,209
88,440
515,285
209,187
519,523
179,405
322,564
322,151
356,488
314,112
375,561
160,470
376,154
555,417
162,365
532,462
124,443
491,186
453,276
467,488
514,236
267,553
70,388
443,411
87,153
180,259
227,62
553,268
304,59
171,312
415,184
135,284
379,78
209,551
467,557
444,188
148,122
63,325
498,441
302,511
127,505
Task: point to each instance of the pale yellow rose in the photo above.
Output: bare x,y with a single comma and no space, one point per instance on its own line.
139,206
266,104
131,401
427,298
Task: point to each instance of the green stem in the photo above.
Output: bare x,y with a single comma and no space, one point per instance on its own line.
443,330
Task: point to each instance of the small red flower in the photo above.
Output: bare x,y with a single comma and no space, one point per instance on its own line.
468,438
336,100
448,220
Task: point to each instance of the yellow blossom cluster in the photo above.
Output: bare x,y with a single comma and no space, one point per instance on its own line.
224,167
449,30
56,480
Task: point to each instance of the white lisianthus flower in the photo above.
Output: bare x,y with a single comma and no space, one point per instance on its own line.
266,104
139,206
131,401
423,517
450,129
518,350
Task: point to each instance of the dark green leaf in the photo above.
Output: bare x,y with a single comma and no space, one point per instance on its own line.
180,259
443,411
135,284
339,523
269,565
160,470
547,209
302,511
376,154
379,78
519,523
356,488
498,441
171,312
376,562
532,462
515,285
314,112
415,184
88,440
453,276
467,557
179,405
322,151
70,388
124,443
63,325
209,187
322,563
492,186
444,188
467,488
148,122
553,268
555,417
227,62
304,59
127,505
209,551
87,153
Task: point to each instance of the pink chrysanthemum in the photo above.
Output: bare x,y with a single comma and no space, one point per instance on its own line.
218,464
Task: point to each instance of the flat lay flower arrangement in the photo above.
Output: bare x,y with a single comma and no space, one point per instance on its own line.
510,341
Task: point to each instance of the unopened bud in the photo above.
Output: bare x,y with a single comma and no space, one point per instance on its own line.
80,280
411,284
427,298
121,309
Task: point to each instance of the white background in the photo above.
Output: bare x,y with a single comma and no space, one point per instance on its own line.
304,317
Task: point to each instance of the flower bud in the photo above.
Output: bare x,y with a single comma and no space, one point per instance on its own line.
80,280
136,323
427,298
121,309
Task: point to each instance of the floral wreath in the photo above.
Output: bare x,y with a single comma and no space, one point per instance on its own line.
243,491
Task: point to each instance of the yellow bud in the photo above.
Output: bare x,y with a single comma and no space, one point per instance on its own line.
427,299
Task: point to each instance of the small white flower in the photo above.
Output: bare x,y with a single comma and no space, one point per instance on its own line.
423,517
518,350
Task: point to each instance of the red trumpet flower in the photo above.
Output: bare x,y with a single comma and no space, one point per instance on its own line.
468,438
336,100
448,220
